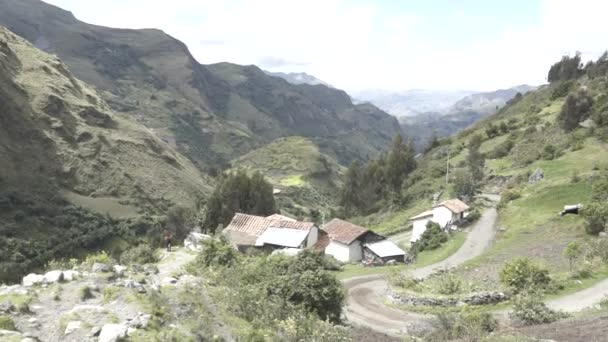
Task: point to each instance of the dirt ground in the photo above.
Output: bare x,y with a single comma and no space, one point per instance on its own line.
591,329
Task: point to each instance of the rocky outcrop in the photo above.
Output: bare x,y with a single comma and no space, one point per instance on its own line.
536,176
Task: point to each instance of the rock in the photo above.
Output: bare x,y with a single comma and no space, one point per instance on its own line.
169,281
145,320
29,339
132,284
7,306
113,332
32,320
119,270
32,279
10,333
72,326
150,269
86,307
95,331
53,277
70,275
536,176
99,267
131,331
194,241
603,235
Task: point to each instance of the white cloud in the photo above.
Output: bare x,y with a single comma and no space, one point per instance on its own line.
357,45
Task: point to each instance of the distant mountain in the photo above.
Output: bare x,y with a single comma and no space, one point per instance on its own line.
210,113
298,78
412,102
460,115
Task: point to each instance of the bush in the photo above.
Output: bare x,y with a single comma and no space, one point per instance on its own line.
141,254
473,216
401,279
550,152
468,325
561,89
577,108
448,283
216,253
502,150
7,323
529,308
100,257
508,196
85,293
596,214
521,274
432,238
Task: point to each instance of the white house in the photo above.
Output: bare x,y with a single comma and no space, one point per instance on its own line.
446,214
344,240
276,231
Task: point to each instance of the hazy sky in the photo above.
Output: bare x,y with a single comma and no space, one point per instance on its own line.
381,44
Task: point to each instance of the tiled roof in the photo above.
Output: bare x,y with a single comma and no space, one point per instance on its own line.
322,241
454,205
344,232
422,215
280,217
254,226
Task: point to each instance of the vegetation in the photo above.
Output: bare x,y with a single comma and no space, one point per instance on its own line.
596,214
522,274
566,69
7,323
238,192
576,109
432,238
573,251
140,254
466,325
529,308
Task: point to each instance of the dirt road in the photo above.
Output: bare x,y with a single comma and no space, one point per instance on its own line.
366,295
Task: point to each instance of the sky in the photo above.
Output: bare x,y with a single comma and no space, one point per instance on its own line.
358,45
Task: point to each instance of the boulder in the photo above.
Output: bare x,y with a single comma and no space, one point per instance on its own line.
70,275
53,277
536,176
113,332
194,241
119,270
32,279
7,306
99,267
145,320
132,284
72,326
95,331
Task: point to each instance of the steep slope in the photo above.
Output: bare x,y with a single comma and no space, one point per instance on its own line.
209,115
59,138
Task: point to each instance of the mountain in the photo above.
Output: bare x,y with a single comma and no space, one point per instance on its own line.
298,78
460,115
71,166
210,113
412,102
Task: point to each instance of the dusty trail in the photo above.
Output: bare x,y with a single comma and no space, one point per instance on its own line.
366,295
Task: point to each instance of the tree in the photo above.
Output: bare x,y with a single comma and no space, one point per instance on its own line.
521,274
432,238
476,160
566,69
238,192
350,197
576,109
400,164
464,185
573,251
596,214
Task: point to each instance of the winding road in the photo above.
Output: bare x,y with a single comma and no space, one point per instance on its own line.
366,295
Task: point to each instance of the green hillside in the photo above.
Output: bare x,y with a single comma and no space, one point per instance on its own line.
306,177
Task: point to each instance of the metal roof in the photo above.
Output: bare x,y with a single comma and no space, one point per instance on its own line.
385,248
344,232
422,215
285,237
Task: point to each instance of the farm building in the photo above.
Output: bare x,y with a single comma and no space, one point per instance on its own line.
275,231
446,214
348,242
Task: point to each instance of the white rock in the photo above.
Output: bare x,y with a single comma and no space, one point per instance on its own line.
145,320
99,267
113,332
119,270
29,339
72,326
194,241
32,279
131,331
32,320
70,275
53,277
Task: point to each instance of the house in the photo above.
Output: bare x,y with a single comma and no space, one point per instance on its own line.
446,214
348,242
275,231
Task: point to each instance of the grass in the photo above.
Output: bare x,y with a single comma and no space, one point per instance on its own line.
424,259
293,181
6,323
103,205
392,222
21,302
110,293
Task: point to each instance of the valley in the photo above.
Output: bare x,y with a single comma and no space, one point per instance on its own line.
150,192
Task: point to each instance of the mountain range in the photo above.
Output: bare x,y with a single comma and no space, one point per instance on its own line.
298,78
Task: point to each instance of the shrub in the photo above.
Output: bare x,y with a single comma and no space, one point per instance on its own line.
141,254
401,279
502,150
596,214
561,89
473,216
550,152
522,274
508,196
432,238
572,252
100,257
448,283
85,293
216,253
577,108
468,325
529,308
330,263
575,177
492,131
7,323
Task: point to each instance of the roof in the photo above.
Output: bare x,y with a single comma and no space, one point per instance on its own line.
385,248
344,232
239,238
422,215
454,205
322,241
285,237
280,217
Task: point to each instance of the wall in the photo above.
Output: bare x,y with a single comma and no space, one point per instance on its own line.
442,215
313,237
356,251
339,250
419,228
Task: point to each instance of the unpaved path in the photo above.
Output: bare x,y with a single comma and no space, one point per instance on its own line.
366,295
581,300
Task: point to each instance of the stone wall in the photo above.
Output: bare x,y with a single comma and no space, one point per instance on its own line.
478,298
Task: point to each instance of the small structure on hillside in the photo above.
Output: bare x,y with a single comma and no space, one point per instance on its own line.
275,231
447,214
348,242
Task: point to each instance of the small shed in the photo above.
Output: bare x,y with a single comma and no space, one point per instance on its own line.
450,211
384,251
344,240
